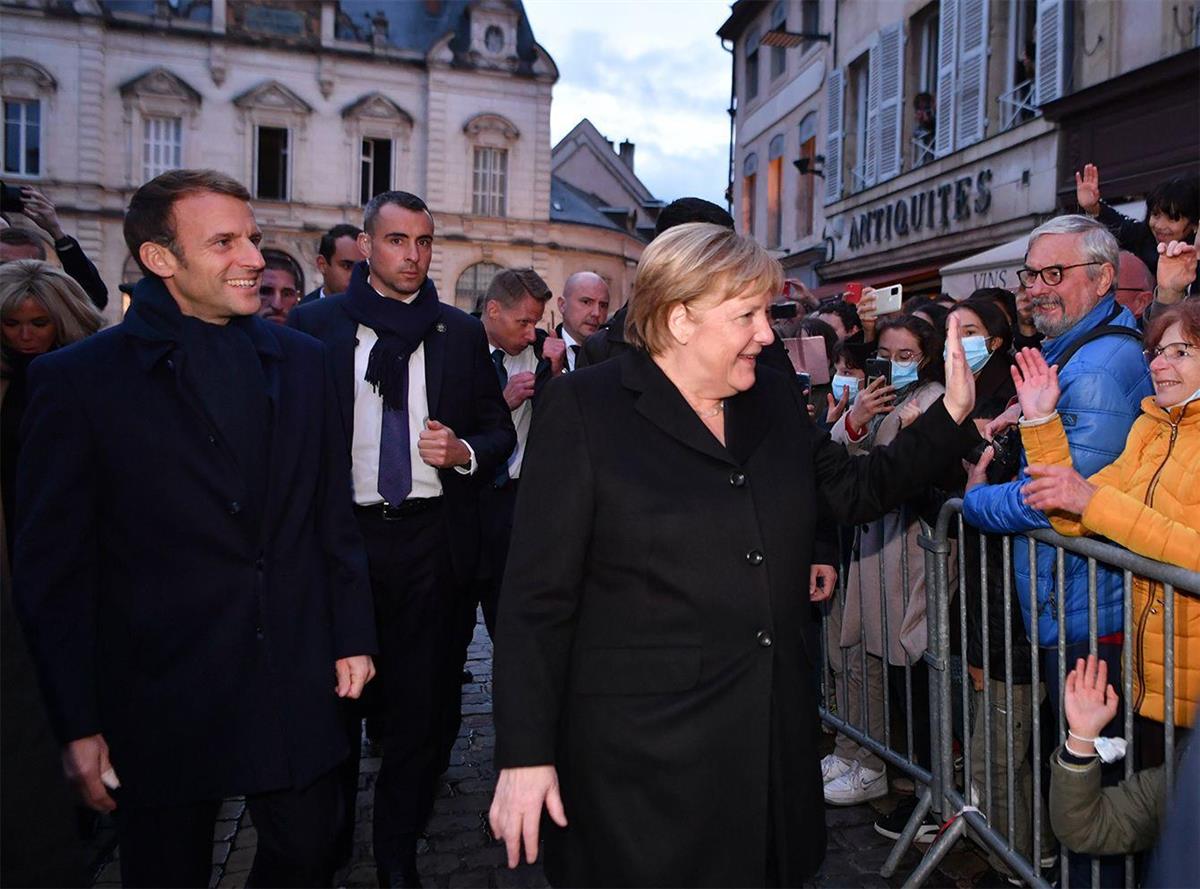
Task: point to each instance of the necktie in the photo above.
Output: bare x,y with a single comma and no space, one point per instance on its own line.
395,457
574,357
502,375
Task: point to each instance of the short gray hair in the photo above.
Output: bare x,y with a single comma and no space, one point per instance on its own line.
1099,245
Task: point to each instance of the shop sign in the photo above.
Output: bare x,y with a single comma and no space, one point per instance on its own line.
931,210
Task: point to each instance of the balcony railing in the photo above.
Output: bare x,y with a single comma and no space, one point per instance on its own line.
1016,106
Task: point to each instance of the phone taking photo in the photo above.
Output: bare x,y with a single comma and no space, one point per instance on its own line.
889,299
879,367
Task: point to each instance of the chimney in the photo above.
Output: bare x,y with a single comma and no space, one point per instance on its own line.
627,154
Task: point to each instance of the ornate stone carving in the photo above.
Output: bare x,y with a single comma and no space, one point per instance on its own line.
488,123
377,106
160,82
271,95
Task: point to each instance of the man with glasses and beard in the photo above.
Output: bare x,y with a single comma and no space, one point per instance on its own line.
1070,277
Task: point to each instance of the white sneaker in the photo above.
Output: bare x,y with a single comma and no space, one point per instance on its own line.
834,766
858,785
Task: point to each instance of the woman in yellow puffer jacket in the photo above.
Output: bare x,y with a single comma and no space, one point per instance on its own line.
1148,500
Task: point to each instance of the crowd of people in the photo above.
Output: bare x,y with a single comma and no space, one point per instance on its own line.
248,526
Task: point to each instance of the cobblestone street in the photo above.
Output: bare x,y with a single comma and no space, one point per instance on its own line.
458,851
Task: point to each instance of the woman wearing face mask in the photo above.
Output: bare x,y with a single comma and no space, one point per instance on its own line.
1147,500
987,339
849,377
877,574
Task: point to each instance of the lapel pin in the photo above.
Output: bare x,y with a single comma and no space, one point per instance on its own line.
440,327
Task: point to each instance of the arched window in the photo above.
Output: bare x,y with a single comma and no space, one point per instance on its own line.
473,284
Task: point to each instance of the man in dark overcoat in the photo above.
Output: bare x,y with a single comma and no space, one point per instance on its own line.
422,410
187,568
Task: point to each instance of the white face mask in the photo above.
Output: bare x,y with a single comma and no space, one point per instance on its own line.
845,382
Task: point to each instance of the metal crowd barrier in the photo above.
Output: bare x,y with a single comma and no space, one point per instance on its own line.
941,791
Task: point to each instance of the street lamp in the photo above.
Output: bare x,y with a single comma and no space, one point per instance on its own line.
812,165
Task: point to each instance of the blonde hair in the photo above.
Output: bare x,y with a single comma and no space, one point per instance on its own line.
691,263
55,291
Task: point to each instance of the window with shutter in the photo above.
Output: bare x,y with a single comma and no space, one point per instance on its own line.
749,184
870,165
778,53
1051,51
891,98
834,125
947,53
970,113
751,52
775,191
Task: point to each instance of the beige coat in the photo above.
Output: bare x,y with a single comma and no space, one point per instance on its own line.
877,571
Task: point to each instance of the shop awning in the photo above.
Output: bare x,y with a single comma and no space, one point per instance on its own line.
997,266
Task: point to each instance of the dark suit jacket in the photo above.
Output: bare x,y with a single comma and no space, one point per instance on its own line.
198,638
659,646
311,297
464,394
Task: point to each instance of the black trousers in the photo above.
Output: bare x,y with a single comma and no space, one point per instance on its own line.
172,846
413,584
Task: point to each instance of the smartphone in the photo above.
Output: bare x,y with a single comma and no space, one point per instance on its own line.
10,199
879,367
888,299
853,293
783,310
805,383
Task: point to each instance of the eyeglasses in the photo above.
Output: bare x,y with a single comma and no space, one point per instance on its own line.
1173,352
904,356
1051,274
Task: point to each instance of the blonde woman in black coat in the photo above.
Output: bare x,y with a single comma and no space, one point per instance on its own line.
655,655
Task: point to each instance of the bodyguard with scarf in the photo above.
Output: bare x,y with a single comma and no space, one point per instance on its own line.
427,423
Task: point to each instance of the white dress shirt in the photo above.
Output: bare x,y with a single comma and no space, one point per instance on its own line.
573,346
368,425
524,361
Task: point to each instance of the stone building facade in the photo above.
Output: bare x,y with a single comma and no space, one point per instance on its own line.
315,106
933,130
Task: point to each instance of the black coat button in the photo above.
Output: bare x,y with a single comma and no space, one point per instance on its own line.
764,639
737,479
754,557
234,507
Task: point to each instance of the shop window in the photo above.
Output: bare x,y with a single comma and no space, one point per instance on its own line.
272,163
490,184
749,182
23,137
751,67
806,185
376,168
473,284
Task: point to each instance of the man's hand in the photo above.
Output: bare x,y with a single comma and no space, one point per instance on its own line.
517,808
960,382
519,389
1176,270
440,448
821,581
1057,488
798,292
866,314
84,762
554,350
977,472
1006,420
1089,703
1037,384
41,211
353,673
1087,190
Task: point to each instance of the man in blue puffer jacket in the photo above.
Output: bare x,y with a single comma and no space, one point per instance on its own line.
1070,272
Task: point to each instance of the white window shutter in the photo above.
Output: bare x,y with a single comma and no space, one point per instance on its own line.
834,132
891,99
1051,50
870,139
943,142
971,114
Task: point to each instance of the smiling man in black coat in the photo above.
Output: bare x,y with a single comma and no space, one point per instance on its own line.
187,568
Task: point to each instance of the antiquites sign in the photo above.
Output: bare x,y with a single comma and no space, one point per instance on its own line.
931,210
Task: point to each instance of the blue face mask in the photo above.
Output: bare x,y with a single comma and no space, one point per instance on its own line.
976,350
904,374
848,383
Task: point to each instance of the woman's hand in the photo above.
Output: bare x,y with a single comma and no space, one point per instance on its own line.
977,472
834,412
516,810
822,580
866,314
996,425
1057,487
1089,703
1087,190
908,414
1176,270
875,399
960,382
1037,384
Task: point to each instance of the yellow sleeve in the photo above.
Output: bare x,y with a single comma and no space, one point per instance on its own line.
1127,521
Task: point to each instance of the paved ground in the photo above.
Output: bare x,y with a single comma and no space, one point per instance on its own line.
458,850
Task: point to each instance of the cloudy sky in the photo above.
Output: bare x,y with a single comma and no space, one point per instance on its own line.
651,71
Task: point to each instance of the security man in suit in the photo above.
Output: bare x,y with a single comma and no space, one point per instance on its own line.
584,307
427,424
337,253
